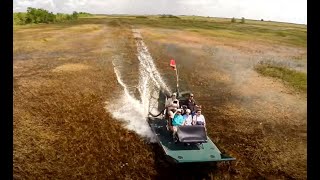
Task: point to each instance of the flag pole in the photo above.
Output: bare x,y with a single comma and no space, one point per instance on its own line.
175,67
177,75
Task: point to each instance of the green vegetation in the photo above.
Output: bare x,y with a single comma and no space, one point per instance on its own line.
36,16
84,14
263,31
296,79
19,18
169,16
243,20
255,30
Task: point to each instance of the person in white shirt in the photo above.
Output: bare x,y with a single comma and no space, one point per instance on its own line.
187,118
198,119
173,102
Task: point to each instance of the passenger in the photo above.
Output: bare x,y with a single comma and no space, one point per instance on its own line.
172,102
198,118
184,108
177,121
196,108
171,115
191,104
187,118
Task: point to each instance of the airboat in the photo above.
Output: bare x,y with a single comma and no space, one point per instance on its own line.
192,144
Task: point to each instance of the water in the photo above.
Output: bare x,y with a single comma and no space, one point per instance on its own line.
130,107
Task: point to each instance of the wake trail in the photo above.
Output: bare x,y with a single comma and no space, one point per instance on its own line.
131,108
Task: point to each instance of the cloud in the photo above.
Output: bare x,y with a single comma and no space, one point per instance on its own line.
198,2
74,4
24,4
277,10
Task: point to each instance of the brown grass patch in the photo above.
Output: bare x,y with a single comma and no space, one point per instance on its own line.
61,129
71,67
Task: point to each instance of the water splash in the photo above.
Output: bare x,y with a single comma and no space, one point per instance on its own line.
134,110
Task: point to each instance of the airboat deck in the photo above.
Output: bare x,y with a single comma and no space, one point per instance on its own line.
183,152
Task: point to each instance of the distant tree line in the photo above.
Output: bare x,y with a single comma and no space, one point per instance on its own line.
35,16
84,14
168,16
233,20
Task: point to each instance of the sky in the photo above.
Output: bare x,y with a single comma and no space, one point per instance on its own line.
293,11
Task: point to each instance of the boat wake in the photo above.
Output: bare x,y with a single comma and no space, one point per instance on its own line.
136,102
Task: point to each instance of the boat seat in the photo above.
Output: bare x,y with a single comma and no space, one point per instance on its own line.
192,134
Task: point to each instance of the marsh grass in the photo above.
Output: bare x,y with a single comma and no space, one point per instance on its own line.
272,32
266,31
143,17
63,76
61,127
293,78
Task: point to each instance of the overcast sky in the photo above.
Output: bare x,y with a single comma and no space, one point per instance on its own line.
294,11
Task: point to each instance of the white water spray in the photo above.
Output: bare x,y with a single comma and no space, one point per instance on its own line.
135,111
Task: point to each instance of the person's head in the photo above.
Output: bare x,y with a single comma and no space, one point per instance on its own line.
174,95
191,96
188,111
198,112
184,107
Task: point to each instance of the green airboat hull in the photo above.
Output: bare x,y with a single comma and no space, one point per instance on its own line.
183,153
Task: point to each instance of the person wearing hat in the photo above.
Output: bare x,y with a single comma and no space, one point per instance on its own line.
177,120
187,118
173,102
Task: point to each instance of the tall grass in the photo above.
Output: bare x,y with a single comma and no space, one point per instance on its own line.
295,79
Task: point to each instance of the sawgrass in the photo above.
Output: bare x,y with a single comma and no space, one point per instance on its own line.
295,79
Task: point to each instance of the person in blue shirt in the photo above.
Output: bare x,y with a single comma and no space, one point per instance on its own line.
177,120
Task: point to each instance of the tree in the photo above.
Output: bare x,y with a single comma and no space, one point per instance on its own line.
39,16
242,20
233,20
19,18
75,15
36,16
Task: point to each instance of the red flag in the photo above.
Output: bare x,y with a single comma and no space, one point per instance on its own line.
173,64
